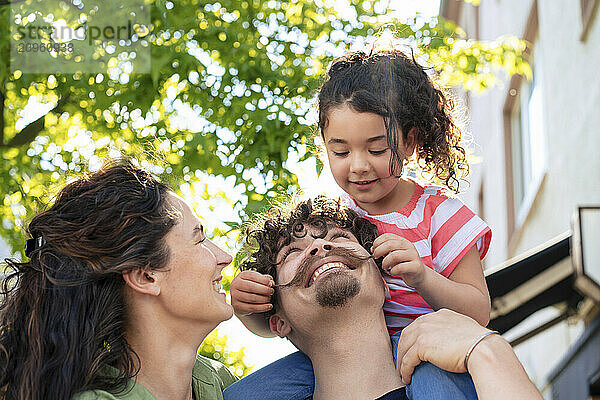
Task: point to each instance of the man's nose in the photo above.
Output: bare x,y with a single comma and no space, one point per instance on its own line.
320,247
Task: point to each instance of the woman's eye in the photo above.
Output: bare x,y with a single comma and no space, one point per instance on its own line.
378,152
201,240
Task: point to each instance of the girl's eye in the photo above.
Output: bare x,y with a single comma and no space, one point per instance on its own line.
378,152
340,153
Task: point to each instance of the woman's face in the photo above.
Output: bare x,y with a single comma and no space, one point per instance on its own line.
191,287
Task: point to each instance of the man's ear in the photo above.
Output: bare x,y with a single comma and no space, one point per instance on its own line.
279,325
141,281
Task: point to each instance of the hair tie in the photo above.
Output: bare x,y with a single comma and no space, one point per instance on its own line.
34,244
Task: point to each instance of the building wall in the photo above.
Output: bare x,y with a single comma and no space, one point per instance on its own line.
571,121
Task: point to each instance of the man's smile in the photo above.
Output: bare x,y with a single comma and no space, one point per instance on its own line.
326,268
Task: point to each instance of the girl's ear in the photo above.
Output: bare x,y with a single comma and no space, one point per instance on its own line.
411,142
279,326
145,282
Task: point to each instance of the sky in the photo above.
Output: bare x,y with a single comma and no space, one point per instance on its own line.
260,351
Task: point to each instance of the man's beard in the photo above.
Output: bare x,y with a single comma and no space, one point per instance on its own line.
336,288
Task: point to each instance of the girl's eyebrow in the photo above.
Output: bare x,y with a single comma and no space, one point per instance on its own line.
369,140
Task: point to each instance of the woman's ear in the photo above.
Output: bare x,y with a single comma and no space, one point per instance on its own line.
279,326
146,282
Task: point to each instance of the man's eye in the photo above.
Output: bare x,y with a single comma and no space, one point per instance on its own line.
378,152
339,235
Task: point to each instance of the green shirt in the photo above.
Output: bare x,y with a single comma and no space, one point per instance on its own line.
209,379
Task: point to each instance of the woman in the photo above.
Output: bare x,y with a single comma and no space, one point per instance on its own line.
121,282
122,286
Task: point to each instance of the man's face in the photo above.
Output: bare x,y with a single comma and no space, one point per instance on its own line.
322,271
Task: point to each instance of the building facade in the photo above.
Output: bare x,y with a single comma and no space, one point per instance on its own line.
539,142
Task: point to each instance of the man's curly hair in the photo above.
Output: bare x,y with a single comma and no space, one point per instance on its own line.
391,84
281,225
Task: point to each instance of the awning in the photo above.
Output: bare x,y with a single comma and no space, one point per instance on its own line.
537,279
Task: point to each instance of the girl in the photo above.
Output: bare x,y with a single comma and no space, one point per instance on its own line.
377,111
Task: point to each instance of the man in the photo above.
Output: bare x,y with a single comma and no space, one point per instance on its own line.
328,302
329,297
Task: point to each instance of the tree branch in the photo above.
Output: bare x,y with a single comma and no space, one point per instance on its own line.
30,132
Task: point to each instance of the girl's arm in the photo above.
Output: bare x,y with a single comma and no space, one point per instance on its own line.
251,297
465,291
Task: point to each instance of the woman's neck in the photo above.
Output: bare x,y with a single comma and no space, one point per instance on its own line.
167,356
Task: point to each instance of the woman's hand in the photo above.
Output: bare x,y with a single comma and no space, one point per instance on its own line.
441,338
251,293
400,257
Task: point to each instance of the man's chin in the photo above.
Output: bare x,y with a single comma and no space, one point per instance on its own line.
336,289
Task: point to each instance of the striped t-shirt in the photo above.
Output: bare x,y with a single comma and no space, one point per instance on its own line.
442,230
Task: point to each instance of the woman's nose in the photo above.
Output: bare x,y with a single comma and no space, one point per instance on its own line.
223,258
320,247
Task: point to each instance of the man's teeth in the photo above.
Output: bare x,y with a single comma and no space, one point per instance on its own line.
326,267
217,286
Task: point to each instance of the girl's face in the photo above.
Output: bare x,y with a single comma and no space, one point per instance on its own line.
359,158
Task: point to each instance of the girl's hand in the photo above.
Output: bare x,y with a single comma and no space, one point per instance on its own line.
400,257
251,293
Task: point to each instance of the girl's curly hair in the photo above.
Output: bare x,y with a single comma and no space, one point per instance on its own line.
396,87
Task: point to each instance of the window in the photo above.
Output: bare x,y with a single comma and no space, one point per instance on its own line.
528,147
524,138
588,9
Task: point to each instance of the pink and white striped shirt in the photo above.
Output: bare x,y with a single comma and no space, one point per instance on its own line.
442,230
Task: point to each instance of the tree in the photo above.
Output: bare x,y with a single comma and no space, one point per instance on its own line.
246,70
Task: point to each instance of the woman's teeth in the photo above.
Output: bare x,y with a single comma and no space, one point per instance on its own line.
217,286
326,267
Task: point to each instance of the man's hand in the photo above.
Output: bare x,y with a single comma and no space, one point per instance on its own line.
251,293
400,257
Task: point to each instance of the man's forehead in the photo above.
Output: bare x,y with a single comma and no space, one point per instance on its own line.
313,232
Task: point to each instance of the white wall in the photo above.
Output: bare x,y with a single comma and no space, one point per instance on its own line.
571,106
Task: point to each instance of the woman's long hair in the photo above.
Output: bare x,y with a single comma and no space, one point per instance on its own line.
62,313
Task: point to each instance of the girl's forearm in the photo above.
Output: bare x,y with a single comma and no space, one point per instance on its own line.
440,292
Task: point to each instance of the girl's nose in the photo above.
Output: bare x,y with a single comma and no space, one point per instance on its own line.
359,164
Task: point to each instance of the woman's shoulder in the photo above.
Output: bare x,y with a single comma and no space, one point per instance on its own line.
94,395
209,370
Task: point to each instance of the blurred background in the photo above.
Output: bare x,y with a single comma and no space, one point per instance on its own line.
217,99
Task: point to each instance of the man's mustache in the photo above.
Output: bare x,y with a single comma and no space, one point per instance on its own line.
351,257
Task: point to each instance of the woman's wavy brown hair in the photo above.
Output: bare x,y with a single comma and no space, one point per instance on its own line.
391,84
63,313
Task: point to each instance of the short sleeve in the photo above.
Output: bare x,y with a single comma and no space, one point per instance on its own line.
454,230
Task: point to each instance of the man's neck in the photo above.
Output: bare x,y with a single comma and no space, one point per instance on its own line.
354,362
